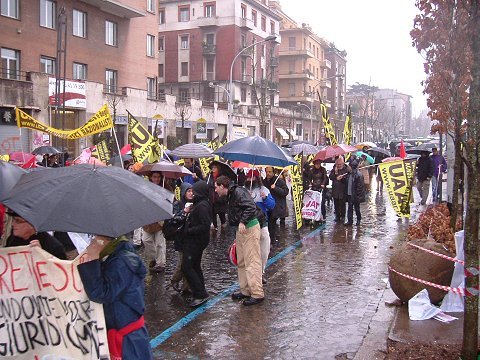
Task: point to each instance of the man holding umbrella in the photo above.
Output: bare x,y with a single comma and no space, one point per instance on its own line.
242,213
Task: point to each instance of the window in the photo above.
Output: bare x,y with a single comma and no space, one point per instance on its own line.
161,16
243,94
298,130
10,63
79,23
10,8
151,88
210,39
292,43
291,66
184,95
79,71
111,78
150,45
48,13
47,65
244,11
209,9
272,27
264,23
184,42
184,13
184,69
210,67
150,6
161,70
110,33
161,43
243,40
291,89
254,17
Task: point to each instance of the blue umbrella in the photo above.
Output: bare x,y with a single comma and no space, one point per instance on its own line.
255,150
370,159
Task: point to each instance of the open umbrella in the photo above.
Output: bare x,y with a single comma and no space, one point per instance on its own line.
21,157
41,150
392,158
91,161
332,151
370,159
377,151
428,146
418,150
305,148
9,176
368,144
103,200
119,159
225,169
194,151
167,168
255,150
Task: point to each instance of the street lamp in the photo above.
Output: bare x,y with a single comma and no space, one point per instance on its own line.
231,93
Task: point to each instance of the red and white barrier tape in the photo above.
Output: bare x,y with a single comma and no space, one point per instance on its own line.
471,271
457,290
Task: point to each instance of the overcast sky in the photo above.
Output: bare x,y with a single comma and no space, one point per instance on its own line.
375,34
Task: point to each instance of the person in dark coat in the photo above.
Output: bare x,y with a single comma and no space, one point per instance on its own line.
196,236
195,170
219,204
355,193
425,171
178,219
23,233
113,275
306,175
279,190
338,175
319,183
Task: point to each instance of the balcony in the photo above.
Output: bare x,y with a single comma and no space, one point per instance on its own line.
296,52
326,84
209,76
326,64
306,98
209,49
207,21
248,52
245,78
269,85
246,24
305,74
116,8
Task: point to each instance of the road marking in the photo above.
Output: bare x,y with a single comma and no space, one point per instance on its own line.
167,333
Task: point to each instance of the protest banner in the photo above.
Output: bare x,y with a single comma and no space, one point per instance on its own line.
297,190
44,310
397,177
99,122
144,146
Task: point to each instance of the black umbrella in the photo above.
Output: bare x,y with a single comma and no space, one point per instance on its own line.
9,176
225,169
45,150
376,151
417,150
105,200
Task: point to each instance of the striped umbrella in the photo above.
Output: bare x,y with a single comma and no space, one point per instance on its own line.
194,151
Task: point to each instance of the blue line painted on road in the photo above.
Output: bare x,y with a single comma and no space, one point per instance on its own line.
167,333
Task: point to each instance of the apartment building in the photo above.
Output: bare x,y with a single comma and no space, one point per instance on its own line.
335,83
108,46
201,41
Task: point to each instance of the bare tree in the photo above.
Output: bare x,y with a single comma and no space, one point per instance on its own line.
183,111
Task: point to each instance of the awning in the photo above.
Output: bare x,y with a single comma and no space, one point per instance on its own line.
292,132
283,133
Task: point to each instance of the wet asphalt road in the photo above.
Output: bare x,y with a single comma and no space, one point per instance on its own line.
321,294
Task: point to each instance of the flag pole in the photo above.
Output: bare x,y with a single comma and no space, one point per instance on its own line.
118,146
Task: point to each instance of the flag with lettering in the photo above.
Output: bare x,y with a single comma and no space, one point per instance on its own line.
327,124
144,146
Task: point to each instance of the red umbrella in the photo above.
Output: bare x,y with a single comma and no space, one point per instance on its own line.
333,151
240,164
91,161
168,169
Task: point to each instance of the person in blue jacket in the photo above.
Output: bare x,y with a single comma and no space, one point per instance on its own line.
113,275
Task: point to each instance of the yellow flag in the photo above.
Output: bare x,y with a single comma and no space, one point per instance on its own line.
101,151
347,129
327,125
297,190
99,122
397,177
144,146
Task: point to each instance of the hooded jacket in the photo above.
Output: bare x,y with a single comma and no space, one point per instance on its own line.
197,225
117,282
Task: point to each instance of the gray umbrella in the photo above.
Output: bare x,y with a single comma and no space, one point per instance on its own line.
9,176
194,151
106,201
41,150
305,148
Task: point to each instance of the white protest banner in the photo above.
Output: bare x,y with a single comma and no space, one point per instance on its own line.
44,310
